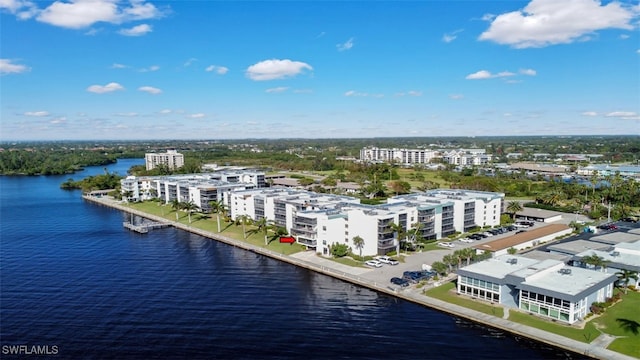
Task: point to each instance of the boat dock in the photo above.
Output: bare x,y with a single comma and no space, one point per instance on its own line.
144,227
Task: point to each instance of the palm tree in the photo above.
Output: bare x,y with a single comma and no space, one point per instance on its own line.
468,253
624,276
217,207
262,225
514,207
450,261
189,207
176,205
439,267
243,220
399,232
598,262
358,242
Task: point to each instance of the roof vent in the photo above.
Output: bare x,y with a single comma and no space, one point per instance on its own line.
565,271
615,253
512,261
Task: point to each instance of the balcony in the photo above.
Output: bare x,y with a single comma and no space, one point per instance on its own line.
307,242
386,244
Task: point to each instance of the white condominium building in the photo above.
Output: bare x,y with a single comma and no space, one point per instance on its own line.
320,220
400,156
466,157
172,159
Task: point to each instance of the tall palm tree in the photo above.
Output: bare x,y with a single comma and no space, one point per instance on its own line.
358,242
243,220
262,225
189,207
450,261
176,205
400,233
217,207
624,276
514,207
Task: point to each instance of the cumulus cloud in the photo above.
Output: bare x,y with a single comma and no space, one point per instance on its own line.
78,14
353,93
220,70
58,120
127,114
276,89
8,67
118,66
189,62
347,45
165,111
276,69
102,89
451,36
137,30
37,113
150,89
484,74
549,22
529,72
197,116
590,113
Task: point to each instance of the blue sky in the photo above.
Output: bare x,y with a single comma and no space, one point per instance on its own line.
110,69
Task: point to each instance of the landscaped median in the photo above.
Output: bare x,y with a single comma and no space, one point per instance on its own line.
622,320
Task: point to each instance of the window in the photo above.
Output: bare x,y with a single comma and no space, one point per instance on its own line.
324,228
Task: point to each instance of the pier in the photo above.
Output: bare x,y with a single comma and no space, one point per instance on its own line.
145,227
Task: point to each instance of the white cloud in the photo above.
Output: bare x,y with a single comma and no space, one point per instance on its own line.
303,91
78,14
8,67
456,96
529,72
22,9
118,66
346,45
150,68
549,22
150,89
59,120
627,115
276,69
137,30
484,74
127,114
355,93
110,87
197,116
451,36
276,90
165,111
189,62
37,113
589,113
221,70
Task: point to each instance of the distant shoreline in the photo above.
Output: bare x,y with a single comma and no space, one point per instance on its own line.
547,338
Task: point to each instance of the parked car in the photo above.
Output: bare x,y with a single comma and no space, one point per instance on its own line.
608,227
387,260
466,240
631,219
399,281
373,263
520,231
446,244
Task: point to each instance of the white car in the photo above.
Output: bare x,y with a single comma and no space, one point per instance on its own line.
446,244
387,260
373,263
466,240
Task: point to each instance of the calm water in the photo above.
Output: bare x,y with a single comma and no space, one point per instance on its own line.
72,277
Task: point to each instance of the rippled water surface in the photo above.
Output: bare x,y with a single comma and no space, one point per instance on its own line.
72,277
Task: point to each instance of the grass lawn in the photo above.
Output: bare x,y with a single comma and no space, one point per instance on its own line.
623,319
588,334
208,222
447,293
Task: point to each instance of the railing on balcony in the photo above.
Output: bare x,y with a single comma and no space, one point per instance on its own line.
307,242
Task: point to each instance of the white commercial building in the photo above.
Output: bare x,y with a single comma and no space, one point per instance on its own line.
547,288
171,159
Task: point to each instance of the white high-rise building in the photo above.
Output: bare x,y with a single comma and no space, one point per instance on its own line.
172,159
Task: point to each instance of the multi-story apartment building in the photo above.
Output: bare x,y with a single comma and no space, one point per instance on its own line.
466,157
172,159
399,156
319,220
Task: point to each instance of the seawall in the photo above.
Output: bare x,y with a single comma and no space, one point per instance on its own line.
592,350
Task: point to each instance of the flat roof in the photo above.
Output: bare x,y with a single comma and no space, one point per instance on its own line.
577,246
617,237
538,213
517,239
543,255
497,268
569,282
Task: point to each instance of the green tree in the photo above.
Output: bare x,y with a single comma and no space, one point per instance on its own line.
218,208
514,207
189,207
440,267
512,250
598,262
243,220
176,205
358,242
339,250
625,276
